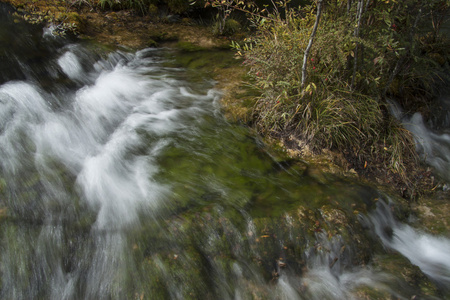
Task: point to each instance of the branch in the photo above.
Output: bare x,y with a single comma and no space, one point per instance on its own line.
311,39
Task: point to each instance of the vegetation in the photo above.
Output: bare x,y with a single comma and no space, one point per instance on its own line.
140,6
331,86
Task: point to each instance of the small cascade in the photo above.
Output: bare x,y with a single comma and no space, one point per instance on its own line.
430,253
433,146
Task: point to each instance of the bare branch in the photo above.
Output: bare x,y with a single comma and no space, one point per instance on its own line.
311,39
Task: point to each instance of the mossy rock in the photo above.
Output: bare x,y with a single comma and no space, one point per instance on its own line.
223,235
411,280
434,214
75,18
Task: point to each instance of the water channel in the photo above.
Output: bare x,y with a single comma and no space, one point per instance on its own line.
121,179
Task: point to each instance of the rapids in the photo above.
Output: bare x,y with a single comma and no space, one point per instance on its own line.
121,179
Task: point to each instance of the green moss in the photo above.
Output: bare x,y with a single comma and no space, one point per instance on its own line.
151,43
231,27
411,280
188,46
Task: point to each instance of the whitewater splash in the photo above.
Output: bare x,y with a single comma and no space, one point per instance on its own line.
103,133
96,135
430,253
432,146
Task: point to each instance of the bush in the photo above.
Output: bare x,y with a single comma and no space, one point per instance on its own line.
325,114
360,57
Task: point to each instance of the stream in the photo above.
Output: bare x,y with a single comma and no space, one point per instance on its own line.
121,179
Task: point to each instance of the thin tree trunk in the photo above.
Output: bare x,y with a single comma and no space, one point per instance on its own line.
367,6
311,39
362,46
356,34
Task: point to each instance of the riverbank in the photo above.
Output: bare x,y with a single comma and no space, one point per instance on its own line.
118,28
127,29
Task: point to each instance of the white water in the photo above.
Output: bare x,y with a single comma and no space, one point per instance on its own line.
430,253
432,146
71,66
96,135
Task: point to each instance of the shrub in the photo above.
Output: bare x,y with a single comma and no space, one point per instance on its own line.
325,114
360,56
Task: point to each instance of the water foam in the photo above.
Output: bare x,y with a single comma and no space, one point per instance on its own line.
70,65
430,253
432,146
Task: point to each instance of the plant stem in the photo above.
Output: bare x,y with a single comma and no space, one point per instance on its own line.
311,39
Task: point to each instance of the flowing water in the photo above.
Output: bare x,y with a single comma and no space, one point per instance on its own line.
120,179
